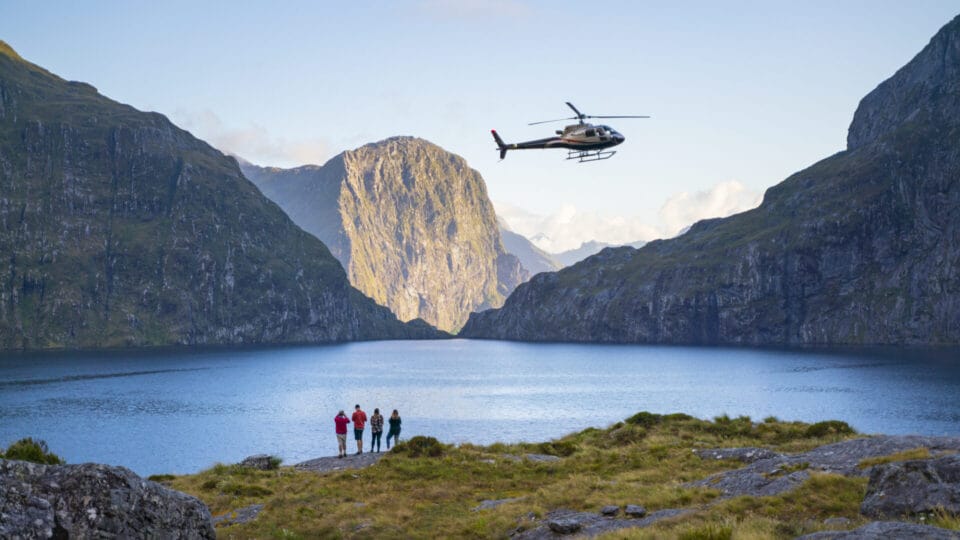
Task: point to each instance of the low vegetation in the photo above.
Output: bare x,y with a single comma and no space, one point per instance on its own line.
425,488
35,451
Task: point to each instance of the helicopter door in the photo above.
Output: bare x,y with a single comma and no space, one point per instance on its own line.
591,133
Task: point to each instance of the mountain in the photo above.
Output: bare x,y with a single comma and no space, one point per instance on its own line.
586,249
410,222
120,229
533,259
860,248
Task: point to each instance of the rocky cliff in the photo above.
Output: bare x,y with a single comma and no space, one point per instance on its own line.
119,229
411,224
860,248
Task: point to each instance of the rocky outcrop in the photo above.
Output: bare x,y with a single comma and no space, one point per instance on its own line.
779,473
886,530
261,462
562,523
119,229
411,224
94,501
914,487
860,248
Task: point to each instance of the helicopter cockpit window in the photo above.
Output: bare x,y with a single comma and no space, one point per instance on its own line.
591,133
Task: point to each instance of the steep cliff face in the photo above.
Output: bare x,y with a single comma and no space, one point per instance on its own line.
411,223
860,248
119,229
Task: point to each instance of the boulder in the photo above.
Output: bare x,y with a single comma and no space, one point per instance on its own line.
610,510
94,501
883,530
564,525
263,462
913,487
635,511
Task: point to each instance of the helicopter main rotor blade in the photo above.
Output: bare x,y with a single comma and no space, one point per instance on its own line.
548,121
579,114
616,117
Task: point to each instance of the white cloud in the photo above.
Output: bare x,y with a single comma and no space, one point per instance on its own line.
722,200
253,143
567,228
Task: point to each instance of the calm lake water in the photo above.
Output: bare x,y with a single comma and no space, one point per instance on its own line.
184,410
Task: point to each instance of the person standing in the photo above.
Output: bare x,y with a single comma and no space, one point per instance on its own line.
359,420
341,421
376,430
394,428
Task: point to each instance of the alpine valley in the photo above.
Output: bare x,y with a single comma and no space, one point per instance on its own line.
860,248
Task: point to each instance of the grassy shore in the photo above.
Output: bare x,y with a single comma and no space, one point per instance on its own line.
424,489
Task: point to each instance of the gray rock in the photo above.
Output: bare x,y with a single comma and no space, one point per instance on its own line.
913,487
886,530
493,503
333,463
610,510
782,473
593,524
263,462
239,516
836,522
94,501
635,511
564,525
746,455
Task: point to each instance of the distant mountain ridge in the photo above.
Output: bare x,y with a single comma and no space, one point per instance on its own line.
120,229
586,249
410,222
533,259
860,248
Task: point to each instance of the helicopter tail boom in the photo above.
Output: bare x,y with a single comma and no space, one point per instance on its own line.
500,144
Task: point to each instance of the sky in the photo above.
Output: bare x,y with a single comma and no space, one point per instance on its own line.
741,93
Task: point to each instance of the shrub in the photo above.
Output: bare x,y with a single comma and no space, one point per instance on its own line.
557,448
644,419
35,451
161,477
830,427
420,446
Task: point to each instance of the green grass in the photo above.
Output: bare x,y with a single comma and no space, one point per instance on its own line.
428,489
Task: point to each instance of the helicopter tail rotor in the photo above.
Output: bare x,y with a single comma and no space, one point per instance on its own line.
500,144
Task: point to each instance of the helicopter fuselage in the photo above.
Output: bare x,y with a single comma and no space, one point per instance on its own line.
584,142
575,137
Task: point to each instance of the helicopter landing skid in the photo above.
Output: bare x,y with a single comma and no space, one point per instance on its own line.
590,155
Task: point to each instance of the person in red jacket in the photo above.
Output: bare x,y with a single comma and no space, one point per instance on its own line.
359,420
341,422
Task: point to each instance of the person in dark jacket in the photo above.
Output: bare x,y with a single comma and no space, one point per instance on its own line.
394,432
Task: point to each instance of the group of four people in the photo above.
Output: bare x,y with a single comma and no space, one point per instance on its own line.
359,422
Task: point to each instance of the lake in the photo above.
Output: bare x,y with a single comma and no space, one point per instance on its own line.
182,410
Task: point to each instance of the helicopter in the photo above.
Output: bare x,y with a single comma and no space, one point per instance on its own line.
583,141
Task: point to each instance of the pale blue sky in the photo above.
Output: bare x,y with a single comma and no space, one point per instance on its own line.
742,93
